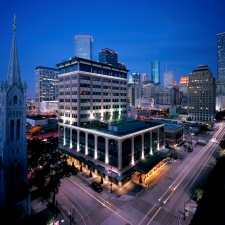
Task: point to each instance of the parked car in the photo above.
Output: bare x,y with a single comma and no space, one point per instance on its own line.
96,186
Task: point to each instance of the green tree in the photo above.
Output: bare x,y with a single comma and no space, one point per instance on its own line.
199,192
48,166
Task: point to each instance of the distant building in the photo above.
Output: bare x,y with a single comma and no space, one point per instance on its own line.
201,95
168,79
221,56
108,56
46,85
134,78
148,89
144,77
184,85
14,190
83,46
155,72
134,94
168,96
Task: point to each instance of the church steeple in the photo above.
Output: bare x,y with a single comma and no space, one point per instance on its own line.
13,75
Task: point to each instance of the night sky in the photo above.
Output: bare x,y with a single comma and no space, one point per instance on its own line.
180,34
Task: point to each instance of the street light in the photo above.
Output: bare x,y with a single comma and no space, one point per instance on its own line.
191,135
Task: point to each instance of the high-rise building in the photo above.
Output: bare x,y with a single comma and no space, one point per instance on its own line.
83,46
201,94
134,78
14,190
144,77
110,57
168,79
155,72
221,56
93,128
184,85
46,85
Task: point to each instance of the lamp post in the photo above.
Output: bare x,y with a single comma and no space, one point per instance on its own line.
191,135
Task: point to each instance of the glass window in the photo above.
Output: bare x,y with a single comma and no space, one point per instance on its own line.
84,67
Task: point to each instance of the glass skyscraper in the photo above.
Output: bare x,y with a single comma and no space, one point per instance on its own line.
83,46
108,56
155,72
221,56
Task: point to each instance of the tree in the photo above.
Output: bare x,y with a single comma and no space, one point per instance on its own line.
199,192
47,166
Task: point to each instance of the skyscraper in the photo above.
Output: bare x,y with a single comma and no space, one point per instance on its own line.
14,190
221,56
168,79
46,85
108,56
155,72
84,46
201,95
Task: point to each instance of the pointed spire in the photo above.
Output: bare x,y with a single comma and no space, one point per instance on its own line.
14,70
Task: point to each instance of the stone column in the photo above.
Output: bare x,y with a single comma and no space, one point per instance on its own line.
78,140
86,143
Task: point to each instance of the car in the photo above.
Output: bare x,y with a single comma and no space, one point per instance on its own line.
96,186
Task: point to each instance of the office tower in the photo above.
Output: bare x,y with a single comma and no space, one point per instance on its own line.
46,85
83,46
144,77
108,56
221,56
201,94
184,85
93,128
134,78
168,79
155,72
165,96
14,190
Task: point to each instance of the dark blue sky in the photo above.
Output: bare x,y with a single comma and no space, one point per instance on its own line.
179,32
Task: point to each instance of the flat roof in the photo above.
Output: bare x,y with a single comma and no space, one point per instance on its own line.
150,162
126,132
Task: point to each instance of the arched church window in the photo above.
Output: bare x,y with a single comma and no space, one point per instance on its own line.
11,129
15,99
18,171
18,129
12,173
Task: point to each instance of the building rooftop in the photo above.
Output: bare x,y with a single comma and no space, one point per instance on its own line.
124,128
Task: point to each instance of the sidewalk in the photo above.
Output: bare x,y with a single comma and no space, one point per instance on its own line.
190,208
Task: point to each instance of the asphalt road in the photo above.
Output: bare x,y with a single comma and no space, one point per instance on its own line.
161,203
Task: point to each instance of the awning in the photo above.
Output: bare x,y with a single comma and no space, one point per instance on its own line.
150,162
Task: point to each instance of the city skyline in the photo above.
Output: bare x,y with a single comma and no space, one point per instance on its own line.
179,35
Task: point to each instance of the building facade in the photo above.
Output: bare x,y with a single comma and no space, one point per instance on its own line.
221,56
110,57
46,85
201,95
93,128
168,79
155,72
83,46
14,190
